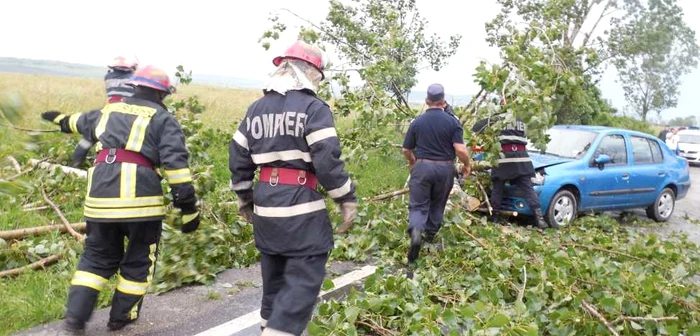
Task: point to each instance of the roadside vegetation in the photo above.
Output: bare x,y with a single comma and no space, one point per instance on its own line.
595,277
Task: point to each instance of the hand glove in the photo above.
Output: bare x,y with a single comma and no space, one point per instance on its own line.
51,116
190,222
245,206
349,212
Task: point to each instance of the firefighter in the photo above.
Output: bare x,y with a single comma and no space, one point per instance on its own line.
290,134
514,165
118,74
124,196
430,146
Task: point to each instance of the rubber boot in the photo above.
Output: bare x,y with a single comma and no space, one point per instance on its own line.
539,220
415,245
74,326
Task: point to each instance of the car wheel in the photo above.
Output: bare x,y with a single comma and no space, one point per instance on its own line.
562,209
663,208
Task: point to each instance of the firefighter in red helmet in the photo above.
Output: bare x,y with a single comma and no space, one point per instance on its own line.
290,134
124,196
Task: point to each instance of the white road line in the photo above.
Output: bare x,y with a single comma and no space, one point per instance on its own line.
253,318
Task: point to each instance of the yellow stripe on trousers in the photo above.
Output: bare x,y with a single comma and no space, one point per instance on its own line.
134,313
87,279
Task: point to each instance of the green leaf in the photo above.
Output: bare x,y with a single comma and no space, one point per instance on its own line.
314,329
498,320
636,326
327,284
680,272
351,314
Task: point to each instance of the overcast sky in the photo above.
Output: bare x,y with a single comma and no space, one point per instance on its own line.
221,37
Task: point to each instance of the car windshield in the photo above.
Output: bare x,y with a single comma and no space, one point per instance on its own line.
566,143
689,138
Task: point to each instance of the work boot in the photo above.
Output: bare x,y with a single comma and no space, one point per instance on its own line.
118,324
74,326
415,245
539,220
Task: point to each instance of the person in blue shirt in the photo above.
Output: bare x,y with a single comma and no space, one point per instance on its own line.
433,140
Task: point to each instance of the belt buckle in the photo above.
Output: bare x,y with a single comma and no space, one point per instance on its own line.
112,154
302,176
274,176
514,148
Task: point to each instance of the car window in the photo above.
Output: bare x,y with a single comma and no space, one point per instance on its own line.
641,150
614,146
656,154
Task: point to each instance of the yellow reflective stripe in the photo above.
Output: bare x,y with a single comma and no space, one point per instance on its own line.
73,122
132,287
102,124
89,181
137,110
188,218
127,187
59,118
118,202
137,134
140,212
94,281
178,175
98,146
134,312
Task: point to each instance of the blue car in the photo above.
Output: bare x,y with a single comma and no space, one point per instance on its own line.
593,168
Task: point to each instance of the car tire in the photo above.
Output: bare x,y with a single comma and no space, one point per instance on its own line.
659,211
562,205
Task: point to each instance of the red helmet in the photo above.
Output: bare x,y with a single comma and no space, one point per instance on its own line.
151,77
123,63
303,51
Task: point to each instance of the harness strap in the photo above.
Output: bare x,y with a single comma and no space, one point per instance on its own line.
112,155
286,176
513,148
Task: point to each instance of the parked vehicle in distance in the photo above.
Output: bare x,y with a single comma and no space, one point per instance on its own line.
595,168
689,145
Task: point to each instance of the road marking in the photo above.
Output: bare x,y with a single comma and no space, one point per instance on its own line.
253,318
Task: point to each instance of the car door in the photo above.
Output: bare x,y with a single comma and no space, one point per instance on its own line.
647,172
608,187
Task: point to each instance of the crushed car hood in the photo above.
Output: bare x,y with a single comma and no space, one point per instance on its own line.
543,161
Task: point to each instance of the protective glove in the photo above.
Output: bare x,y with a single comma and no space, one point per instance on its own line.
190,222
52,116
245,206
349,213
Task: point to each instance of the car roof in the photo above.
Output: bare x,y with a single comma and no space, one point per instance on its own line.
603,130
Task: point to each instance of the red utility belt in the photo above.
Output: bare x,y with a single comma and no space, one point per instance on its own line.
119,155
295,177
115,99
513,148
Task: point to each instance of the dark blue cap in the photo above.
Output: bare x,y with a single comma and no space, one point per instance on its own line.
436,92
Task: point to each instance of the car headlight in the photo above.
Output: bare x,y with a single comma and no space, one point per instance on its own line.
538,179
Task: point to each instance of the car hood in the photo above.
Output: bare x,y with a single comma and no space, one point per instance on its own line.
543,160
688,147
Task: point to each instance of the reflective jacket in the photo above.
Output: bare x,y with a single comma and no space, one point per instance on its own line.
115,83
511,164
122,192
295,130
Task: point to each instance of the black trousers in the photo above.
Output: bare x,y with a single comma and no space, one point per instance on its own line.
103,256
290,288
522,182
430,187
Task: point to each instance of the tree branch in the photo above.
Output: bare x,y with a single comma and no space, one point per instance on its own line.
35,265
600,316
70,229
600,18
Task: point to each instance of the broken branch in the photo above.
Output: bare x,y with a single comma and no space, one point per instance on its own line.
389,195
15,164
65,169
613,252
600,317
70,229
640,319
35,265
482,244
486,197
35,231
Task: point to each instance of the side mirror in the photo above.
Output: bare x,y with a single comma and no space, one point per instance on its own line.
601,160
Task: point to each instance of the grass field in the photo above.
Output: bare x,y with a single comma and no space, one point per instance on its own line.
39,296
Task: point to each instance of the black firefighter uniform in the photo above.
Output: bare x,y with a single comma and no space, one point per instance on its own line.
125,199
292,138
